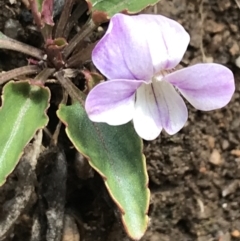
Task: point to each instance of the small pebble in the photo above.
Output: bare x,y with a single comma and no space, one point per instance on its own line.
211,142
203,170
12,28
215,158
231,188
225,144
237,61
235,153
225,237
235,234
70,229
224,205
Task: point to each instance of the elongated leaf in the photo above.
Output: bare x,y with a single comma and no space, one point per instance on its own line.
21,115
116,153
102,10
12,44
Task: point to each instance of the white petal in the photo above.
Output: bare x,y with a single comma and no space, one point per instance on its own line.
158,105
172,109
146,117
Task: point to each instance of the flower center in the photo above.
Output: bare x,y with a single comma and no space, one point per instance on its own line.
160,75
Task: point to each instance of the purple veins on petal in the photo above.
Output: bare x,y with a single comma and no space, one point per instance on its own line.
158,106
136,54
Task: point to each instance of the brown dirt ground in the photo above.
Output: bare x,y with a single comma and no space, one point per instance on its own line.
195,174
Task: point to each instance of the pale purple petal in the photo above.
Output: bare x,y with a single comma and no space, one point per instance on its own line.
205,86
158,106
137,47
112,102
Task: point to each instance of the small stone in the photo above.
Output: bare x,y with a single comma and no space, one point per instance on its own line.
203,169
158,236
234,28
224,205
235,153
234,49
213,27
237,61
237,160
100,29
225,144
223,5
12,28
235,234
231,188
70,229
225,237
217,40
211,142
215,158
208,59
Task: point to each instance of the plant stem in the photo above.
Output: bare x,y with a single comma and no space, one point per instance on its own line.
87,29
45,74
25,70
81,56
54,140
77,13
71,89
8,43
64,18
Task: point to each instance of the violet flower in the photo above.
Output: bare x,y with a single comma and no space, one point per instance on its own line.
138,55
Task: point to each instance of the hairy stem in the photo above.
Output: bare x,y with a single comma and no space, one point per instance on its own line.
25,70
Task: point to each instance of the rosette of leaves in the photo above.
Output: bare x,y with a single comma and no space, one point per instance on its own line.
63,64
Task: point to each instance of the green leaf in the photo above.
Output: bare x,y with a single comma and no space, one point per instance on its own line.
102,10
23,112
115,152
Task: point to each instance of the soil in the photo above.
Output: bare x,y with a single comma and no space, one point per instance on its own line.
194,175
